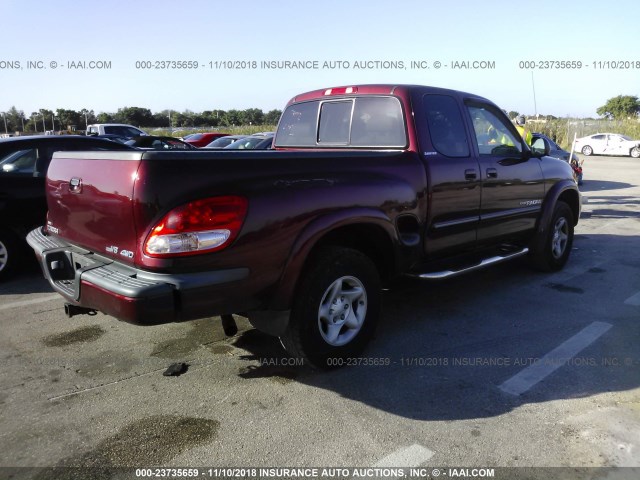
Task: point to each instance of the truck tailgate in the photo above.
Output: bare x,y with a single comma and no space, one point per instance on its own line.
90,200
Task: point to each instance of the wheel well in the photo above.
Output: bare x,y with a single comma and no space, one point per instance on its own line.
571,198
371,240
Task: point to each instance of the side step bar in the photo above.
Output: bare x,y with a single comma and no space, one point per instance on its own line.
484,263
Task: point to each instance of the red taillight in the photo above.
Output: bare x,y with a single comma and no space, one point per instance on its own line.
200,226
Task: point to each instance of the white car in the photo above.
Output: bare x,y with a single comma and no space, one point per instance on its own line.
120,129
608,144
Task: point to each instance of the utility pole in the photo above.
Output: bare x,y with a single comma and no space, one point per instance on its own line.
535,105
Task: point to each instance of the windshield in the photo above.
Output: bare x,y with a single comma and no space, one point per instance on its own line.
222,142
246,143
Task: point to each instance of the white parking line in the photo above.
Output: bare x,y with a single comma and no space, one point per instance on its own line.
24,303
633,300
527,378
412,456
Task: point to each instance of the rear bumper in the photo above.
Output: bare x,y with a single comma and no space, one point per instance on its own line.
134,295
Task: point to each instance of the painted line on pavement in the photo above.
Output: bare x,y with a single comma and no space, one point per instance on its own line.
412,456
33,301
633,300
530,376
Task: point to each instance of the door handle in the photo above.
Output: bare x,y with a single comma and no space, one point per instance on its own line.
470,174
492,173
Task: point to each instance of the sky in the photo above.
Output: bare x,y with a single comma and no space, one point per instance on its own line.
501,50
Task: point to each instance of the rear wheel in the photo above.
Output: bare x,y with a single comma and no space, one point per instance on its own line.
336,309
587,150
635,152
555,250
10,253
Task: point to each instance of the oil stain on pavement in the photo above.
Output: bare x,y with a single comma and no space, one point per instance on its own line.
153,440
80,335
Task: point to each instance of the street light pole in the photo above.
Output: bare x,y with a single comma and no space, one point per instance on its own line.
44,127
4,114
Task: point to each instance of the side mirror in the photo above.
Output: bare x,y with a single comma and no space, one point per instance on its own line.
540,148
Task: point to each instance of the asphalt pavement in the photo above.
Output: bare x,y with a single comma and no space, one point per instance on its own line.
505,367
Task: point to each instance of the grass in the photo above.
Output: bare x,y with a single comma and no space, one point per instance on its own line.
239,130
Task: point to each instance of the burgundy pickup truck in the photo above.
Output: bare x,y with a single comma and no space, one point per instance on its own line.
366,184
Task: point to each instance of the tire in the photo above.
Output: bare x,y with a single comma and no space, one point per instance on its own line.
338,280
587,150
556,248
10,254
635,152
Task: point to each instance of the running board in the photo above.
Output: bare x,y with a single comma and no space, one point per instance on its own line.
484,263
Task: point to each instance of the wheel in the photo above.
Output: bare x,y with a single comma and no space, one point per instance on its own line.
587,150
555,250
336,308
10,253
635,152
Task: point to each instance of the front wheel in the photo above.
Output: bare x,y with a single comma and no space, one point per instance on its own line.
587,150
335,310
556,247
635,152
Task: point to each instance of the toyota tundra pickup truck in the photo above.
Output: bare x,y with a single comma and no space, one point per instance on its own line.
365,184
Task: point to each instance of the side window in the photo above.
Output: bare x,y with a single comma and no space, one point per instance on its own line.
21,162
446,127
492,134
598,137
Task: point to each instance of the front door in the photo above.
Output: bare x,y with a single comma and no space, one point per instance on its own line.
512,181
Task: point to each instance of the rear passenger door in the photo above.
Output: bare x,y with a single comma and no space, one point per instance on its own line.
453,174
512,182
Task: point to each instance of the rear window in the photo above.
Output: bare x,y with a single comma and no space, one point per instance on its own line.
351,122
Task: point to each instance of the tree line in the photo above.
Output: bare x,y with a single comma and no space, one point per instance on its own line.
14,120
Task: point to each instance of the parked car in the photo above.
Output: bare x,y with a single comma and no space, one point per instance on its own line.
120,129
113,137
224,141
608,144
23,165
252,142
540,140
203,139
151,142
366,184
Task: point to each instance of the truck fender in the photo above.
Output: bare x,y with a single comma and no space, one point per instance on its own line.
309,238
564,190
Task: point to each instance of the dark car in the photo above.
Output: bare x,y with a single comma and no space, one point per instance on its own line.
113,137
150,142
556,151
224,141
23,167
203,139
252,142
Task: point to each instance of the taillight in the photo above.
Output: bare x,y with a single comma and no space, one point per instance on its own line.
200,226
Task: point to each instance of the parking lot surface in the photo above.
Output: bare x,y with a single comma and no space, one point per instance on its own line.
504,367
